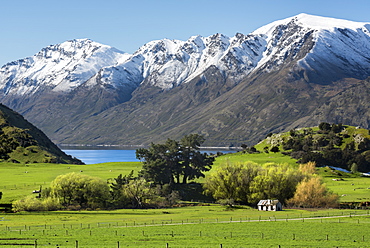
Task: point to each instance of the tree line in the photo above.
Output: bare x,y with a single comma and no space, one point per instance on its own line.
170,166
163,167
247,183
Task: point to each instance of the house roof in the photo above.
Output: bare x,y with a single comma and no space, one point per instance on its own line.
268,202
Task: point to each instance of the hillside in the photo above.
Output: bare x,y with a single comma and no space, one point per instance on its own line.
346,147
295,72
22,142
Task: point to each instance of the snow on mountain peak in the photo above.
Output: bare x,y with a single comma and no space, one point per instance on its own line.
319,22
311,22
166,63
60,67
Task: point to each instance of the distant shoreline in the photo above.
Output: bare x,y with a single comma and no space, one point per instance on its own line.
131,147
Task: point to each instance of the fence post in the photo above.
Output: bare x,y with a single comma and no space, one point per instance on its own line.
35,243
76,243
117,244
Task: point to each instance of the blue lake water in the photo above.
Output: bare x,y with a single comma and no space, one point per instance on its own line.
103,156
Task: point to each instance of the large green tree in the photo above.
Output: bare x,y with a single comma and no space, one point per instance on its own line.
173,161
275,181
231,183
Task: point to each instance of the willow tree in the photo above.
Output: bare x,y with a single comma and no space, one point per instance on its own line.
231,183
276,181
80,190
248,183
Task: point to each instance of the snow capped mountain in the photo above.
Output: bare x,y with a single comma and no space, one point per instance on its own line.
330,44
168,63
167,86
61,67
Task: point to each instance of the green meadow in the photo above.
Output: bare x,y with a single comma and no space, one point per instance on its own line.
20,180
197,226
209,225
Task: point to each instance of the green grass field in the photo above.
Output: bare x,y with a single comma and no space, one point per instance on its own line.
200,226
192,226
19,180
260,158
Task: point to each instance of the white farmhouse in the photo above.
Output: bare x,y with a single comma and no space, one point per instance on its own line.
269,205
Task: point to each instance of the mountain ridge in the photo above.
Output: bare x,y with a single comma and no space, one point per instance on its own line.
221,87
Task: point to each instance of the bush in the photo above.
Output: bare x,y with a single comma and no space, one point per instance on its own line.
30,203
83,190
312,193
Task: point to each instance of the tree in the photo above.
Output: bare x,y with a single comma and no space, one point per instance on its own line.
231,183
354,168
275,149
324,126
161,162
275,181
249,183
173,161
80,190
244,146
312,193
308,168
138,191
194,163
118,198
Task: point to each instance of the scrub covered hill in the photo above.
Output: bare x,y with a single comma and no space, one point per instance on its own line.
335,145
22,142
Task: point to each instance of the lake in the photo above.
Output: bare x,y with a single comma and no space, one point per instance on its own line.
102,156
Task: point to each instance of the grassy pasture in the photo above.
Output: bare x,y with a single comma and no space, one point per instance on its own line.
206,226
260,158
351,189
19,180
193,226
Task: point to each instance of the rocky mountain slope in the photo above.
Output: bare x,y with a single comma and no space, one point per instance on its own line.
294,72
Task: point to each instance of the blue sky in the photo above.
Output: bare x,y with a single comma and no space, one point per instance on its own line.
29,25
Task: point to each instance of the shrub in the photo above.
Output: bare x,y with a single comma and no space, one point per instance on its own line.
30,203
312,193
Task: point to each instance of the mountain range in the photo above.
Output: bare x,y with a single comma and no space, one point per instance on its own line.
295,72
